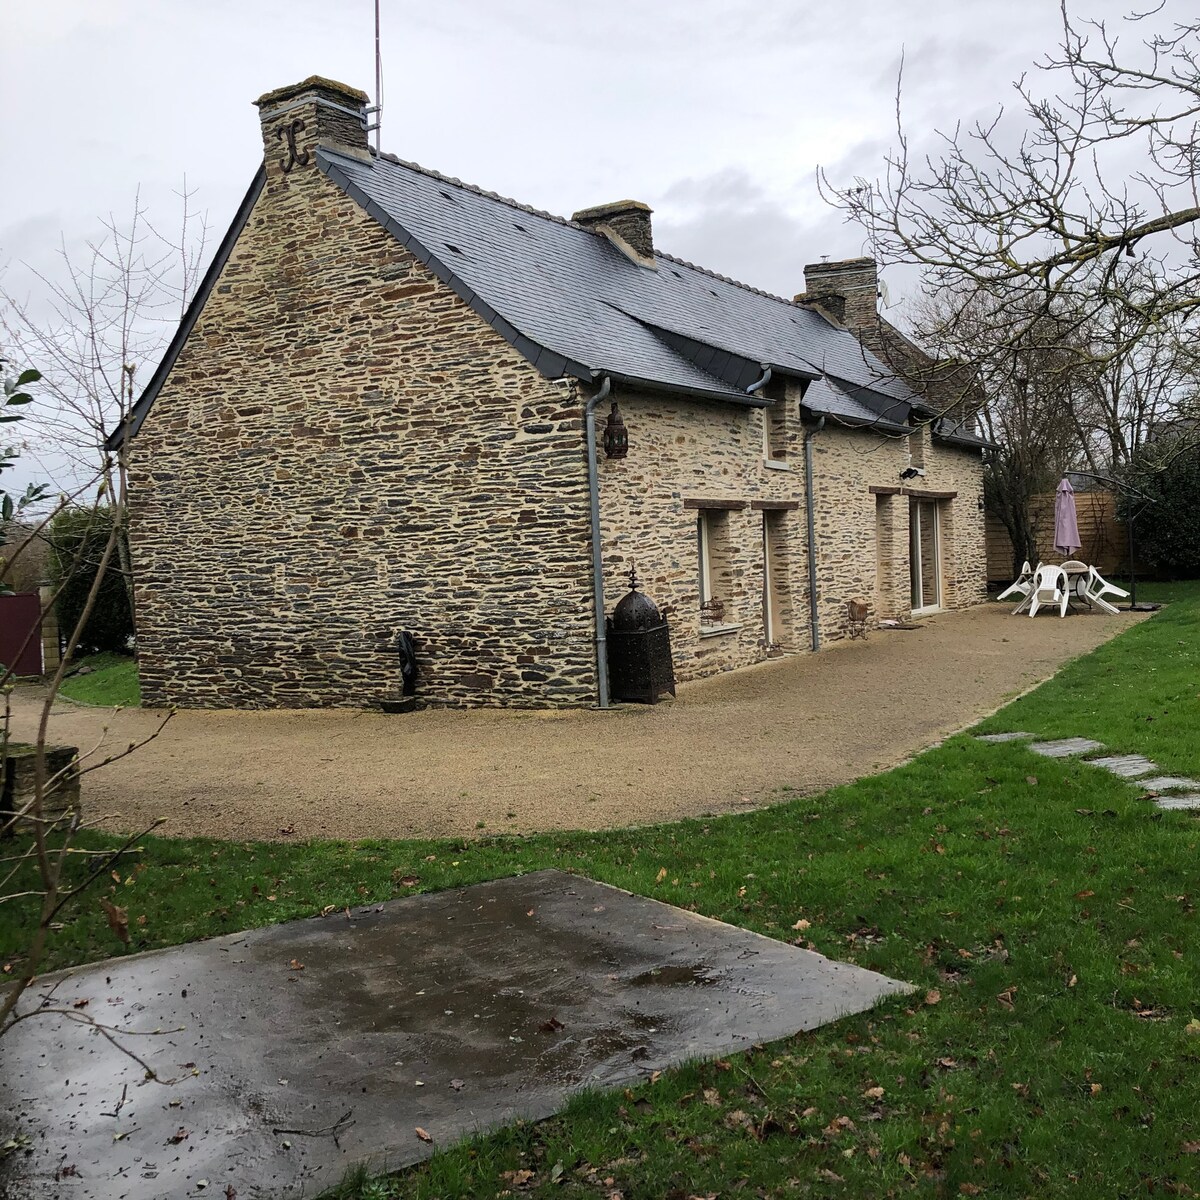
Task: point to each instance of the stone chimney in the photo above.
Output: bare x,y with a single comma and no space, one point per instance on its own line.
626,223
847,290
298,119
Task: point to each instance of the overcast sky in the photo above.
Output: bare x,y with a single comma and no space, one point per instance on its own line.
717,113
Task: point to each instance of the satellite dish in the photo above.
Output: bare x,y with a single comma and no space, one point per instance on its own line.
884,295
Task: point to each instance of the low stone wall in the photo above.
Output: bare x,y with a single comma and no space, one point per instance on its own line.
19,788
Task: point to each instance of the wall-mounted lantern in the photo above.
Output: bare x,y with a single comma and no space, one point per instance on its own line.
616,437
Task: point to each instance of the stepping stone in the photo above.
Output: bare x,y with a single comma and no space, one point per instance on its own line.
1001,737
1168,783
1127,766
1066,747
1177,802
385,1032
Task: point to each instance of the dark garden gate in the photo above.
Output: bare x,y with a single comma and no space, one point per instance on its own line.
21,633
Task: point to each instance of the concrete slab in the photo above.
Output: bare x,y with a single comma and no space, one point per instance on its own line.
303,1049
1127,766
1179,802
1066,747
1002,737
1169,783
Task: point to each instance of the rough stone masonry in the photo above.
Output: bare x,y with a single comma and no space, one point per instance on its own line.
343,449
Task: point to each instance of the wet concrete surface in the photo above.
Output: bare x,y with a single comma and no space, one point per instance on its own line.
301,1050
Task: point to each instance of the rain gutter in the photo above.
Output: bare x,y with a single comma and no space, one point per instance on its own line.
589,423
812,536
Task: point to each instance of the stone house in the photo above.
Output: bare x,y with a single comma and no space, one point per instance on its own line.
377,414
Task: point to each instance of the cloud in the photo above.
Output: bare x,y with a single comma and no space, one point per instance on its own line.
730,224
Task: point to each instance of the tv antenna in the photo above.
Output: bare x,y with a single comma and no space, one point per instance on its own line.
377,111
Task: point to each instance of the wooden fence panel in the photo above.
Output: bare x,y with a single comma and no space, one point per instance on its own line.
1105,540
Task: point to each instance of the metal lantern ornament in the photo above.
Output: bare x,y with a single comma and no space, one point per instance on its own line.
616,437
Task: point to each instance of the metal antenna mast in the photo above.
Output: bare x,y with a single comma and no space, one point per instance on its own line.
378,109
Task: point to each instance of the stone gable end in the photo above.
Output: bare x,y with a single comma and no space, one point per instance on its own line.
343,450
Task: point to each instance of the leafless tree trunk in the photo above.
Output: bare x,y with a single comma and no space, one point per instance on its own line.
39,837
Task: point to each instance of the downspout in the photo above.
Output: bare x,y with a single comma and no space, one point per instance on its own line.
812,535
589,425
761,383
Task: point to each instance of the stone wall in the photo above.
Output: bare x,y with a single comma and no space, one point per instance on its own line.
863,536
344,450
681,453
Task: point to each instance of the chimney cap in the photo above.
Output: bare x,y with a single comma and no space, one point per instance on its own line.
344,91
836,268
600,212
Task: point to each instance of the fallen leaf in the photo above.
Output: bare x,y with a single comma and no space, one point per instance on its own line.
802,924
180,1135
551,1026
1084,894
1097,1088
933,996
516,1178
1189,1147
874,1093
81,1003
662,874
1031,780
1073,981
1006,997
1192,1028
969,1189
422,1134
118,919
295,965
457,1084
230,1192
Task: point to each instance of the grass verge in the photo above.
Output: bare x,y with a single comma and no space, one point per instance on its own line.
112,680
1045,910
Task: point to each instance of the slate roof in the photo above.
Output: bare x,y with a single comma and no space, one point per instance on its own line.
573,304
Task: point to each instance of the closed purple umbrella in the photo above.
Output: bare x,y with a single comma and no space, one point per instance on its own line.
1066,525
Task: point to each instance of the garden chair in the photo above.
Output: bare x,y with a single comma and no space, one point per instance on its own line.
1049,587
1021,585
1097,587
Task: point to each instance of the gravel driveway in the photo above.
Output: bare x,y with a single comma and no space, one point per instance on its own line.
807,723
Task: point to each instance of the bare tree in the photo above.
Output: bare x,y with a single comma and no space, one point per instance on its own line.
109,310
39,852
1045,219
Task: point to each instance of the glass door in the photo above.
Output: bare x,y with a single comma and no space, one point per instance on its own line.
924,555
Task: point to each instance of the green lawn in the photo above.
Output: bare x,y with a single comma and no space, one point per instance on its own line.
1045,911
112,681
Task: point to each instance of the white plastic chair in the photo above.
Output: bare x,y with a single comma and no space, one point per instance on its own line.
1097,587
1049,587
1021,585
